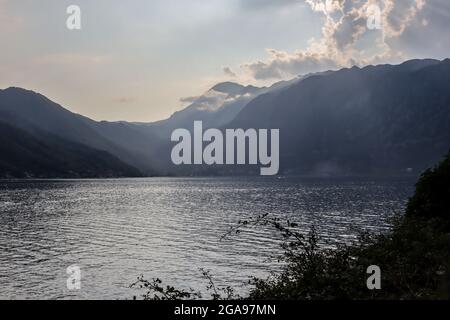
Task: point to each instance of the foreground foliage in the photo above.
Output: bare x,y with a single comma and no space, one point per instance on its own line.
414,257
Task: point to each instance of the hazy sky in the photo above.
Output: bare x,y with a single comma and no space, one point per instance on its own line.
134,60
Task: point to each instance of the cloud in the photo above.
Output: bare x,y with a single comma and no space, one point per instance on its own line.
228,72
428,34
211,100
344,28
282,64
189,99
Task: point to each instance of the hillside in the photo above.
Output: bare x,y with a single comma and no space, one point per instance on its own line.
23,155
375,120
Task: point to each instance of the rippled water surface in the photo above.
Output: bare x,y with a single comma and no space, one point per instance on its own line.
115,230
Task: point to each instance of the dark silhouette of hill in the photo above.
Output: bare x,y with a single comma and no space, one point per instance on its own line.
412,258
28,110
215,108
42,155
376,120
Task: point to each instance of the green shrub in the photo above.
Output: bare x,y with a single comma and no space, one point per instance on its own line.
414,257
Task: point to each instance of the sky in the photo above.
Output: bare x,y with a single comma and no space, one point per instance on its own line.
139,60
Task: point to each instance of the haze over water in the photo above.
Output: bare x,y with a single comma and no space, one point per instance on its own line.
115,230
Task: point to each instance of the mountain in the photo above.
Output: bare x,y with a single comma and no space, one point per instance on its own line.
216,107
42,155
374,120
31,111
145,146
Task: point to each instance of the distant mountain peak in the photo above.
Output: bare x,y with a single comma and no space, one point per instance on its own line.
19,89
417,64
421,61
16,90
24,93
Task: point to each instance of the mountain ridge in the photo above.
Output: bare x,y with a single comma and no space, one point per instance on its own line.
388,119
359,113
42,155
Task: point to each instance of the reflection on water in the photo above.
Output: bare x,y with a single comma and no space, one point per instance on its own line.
116,230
